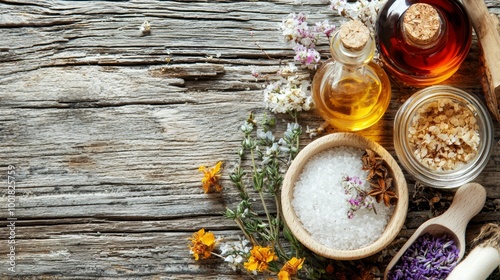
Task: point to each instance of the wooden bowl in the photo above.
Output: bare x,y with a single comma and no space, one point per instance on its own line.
392,228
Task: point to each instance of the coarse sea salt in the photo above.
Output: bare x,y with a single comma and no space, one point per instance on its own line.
320,202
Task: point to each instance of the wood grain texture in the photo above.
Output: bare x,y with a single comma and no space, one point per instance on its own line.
106,129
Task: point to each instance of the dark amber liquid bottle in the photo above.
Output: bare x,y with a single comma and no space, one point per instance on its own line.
430,60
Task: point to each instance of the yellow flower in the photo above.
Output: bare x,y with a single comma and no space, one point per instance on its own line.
290,268
211,178
260,258
202,244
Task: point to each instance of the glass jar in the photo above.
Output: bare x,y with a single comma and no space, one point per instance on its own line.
350,91
443,136
423,42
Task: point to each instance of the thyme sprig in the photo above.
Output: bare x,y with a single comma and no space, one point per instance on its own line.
269,159
263,159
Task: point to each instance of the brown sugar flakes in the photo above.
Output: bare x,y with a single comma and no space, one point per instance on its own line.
444,135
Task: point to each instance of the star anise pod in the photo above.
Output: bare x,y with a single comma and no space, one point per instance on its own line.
381,191
374,165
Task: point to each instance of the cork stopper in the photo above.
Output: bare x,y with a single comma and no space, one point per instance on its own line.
354,35
422,23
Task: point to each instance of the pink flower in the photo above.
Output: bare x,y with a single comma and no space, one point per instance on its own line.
354,202
350,214
324,27
306,56
355,180
295,29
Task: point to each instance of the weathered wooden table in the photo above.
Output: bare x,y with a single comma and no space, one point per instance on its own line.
105,130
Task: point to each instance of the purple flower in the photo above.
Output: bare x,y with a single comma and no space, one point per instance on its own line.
357,198
355,180
429,257
350,214
354,202
296,30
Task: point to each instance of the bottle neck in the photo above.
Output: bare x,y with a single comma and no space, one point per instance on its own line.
351,58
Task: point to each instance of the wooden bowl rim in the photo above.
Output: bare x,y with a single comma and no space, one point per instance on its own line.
396,221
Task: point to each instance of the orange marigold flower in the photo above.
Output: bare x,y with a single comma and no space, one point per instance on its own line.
211,178
290,268
260,258
202,245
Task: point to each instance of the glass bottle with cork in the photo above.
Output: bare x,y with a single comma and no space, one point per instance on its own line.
350,91
423,43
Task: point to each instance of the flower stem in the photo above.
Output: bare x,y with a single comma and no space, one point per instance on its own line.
267,213
217,255
260,193
297,138
253,161
278,218
249,237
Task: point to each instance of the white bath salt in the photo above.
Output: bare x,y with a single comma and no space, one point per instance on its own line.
320,202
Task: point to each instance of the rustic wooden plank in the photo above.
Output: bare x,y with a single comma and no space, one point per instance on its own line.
115,255
107,128
109,34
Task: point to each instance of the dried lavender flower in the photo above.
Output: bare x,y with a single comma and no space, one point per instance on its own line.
429,257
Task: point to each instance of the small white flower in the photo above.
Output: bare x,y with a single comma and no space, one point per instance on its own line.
363,10
267,136
235,252
287,95
272,150
294,27
246,127
145,28
245,213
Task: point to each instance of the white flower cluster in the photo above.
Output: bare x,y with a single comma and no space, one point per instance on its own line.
295,30
362,10
288,94
235,253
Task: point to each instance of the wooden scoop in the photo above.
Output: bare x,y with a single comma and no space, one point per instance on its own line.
485,26
468,201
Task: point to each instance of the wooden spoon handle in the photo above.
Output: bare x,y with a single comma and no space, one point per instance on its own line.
467,203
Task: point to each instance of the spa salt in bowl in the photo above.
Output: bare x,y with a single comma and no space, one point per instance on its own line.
321,203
